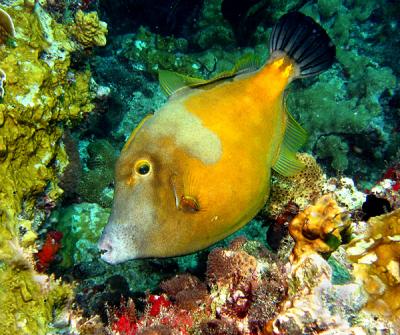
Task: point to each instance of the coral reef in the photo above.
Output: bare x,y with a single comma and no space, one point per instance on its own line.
301,189
47,253
94,185
88,30
81,225
318,228
151,52
345,192
7,29
374,252
329,284
314,304
389,185
348,113
43,96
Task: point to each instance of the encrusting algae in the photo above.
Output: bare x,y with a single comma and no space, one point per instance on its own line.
43,96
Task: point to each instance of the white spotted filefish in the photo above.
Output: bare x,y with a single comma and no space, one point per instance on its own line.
199,168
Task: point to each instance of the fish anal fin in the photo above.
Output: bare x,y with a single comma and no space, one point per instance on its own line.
295,135
287,163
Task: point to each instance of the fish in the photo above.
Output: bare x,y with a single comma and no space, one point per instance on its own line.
199,168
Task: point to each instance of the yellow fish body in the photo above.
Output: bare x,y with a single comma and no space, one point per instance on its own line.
199,168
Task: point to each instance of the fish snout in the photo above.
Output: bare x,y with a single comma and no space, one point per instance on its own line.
106,248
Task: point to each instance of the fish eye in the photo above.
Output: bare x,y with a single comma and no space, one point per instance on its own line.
142,167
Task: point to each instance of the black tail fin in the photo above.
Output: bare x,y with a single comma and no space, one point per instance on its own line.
304,41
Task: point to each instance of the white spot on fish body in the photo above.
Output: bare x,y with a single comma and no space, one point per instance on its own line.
188,131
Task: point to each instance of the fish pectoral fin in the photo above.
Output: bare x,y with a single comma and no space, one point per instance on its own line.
189,204
171,82
287,163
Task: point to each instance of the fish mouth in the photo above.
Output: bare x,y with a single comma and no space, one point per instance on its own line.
106,251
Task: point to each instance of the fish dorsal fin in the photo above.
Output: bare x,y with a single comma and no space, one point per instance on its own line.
247,63
171,81
136,130
287,163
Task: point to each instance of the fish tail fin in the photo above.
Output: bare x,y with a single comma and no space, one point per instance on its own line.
304,41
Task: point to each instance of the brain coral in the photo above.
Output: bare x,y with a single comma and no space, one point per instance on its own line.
43,95
88,30
318,228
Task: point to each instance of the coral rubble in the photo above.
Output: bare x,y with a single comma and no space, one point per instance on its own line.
44,94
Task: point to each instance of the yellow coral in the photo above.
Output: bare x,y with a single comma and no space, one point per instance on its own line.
302,188
43,95
88,30
375,252
318,228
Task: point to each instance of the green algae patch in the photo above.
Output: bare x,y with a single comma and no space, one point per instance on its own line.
42,95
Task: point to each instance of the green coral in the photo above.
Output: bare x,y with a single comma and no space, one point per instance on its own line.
152,52
43,95
81,225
